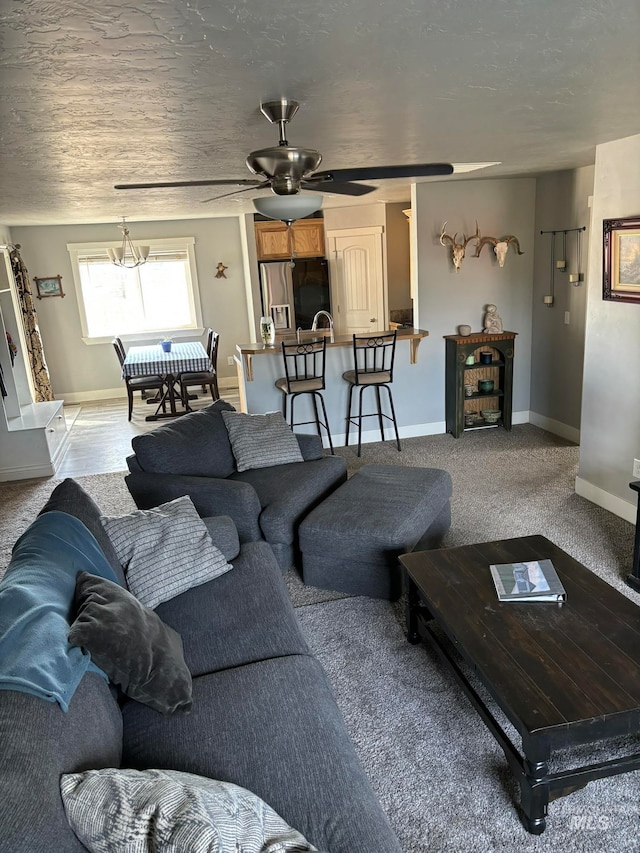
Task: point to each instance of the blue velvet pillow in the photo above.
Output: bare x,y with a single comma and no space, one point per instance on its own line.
36,607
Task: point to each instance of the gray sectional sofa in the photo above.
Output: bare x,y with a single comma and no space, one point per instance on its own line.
263,714
192,456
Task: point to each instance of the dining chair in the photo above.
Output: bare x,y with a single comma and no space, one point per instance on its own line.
152,382
206,378
373,357
304,366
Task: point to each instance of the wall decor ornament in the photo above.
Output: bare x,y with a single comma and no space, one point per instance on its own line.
500,246
50,286
621,259
457,249
220,270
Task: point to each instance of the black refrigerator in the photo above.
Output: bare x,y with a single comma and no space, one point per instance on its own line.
294,291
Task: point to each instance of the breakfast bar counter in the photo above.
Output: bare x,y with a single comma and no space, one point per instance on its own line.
259,366
248,351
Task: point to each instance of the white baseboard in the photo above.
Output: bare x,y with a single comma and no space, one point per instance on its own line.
26,472
72,397
606,500
556,427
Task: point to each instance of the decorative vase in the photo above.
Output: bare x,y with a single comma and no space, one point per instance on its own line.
464,330
485,386
267,331
486,357
166,346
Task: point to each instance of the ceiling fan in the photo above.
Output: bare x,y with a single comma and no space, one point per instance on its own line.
287,169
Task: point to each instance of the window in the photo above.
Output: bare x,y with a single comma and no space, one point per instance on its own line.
155,298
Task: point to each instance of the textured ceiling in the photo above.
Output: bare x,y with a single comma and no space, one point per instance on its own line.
95,94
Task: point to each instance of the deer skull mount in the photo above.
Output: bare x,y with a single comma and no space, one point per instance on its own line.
500,247
457,249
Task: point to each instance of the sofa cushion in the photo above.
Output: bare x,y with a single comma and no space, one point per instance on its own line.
224,534
242,616
274,728
165,550
71,498
166,811
297,489
38,742
261,441
196,443
131,644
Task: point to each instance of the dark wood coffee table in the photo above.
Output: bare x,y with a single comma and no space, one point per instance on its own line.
563,674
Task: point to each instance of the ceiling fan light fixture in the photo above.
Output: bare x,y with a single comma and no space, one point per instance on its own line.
288,208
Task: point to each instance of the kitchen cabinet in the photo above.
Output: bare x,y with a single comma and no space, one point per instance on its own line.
276,241
462,410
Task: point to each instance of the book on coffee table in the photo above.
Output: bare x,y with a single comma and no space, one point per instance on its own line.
531,580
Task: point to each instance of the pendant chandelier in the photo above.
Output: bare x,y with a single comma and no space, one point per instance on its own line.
127,255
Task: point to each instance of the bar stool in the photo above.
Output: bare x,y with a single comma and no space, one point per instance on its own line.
304,374
373,357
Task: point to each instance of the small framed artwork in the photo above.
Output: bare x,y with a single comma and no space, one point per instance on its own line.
51,286
621,259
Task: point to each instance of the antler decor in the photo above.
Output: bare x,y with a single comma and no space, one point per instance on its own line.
457,249
500,247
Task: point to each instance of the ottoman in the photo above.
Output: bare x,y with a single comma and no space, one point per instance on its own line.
352,540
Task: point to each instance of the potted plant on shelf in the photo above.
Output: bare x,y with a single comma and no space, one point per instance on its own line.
165,343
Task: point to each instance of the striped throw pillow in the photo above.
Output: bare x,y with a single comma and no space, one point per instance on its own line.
165,550
261,441
167,810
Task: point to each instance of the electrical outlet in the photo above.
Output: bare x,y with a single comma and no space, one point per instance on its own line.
636,468
230,360
567,318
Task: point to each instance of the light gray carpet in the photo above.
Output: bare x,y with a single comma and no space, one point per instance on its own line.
440,776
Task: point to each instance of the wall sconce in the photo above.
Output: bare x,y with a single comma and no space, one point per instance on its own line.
576,278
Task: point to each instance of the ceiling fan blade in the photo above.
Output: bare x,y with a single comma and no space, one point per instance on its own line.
226,195
238,182
376,173
325,186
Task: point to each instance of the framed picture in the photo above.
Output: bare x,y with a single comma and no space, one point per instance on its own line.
621,259
51,286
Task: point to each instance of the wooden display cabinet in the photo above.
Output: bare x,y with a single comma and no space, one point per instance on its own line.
460,408
276,241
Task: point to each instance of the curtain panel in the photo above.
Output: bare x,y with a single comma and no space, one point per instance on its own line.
35,351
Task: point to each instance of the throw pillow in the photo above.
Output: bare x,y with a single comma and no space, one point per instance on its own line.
261,441
129,642
196,444
167,811
71,498
165,550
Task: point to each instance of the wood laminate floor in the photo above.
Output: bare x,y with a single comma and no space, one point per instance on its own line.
100,437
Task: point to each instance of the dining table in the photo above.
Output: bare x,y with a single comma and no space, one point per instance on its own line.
187,357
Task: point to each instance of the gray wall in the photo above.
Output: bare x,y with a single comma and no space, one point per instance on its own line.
610,433
447,298
77,368
557,352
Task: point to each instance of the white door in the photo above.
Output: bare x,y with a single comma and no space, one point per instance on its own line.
357,280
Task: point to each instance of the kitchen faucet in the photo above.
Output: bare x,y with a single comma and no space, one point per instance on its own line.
314,324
